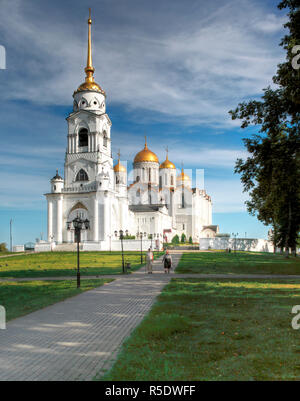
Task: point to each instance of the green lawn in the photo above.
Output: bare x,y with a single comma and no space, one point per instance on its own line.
238,263
215,330
47,264
20,298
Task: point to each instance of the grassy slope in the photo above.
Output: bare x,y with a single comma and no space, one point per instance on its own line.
47,264
20,298
239,263
209,330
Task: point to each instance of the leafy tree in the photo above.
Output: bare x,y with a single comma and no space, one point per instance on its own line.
271,174
191,240
175,240
3,247
183,238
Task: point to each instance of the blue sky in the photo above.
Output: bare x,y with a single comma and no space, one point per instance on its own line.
171,70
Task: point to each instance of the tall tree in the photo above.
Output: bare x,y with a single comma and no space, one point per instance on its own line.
271,174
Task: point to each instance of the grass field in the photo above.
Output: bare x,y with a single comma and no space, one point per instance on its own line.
47,264
20,298
238,263
215,330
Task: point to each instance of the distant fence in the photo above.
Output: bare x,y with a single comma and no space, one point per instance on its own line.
109,245
239,244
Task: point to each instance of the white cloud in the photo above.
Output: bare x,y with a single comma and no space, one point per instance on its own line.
191,154
194,66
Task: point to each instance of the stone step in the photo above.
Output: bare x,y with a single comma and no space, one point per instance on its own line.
65,248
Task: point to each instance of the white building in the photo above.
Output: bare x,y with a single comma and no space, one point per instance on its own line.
158,202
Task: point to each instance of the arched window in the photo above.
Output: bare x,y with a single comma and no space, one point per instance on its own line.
83,137
82,176
172,180
105,139
137,178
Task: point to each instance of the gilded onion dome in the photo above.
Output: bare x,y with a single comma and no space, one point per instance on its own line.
146,155
90,84
167,163
119,168
183,177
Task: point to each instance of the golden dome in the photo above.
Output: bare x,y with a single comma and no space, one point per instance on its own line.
146,155
90,84
183,177
167,163
119,168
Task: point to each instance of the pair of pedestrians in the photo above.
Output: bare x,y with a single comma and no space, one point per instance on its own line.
167,261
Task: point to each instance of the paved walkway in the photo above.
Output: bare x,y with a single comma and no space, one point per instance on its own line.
174,275
79,337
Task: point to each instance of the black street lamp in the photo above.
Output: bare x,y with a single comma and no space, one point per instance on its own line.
150,237
163,240
121,238
235,235
141,237
78,225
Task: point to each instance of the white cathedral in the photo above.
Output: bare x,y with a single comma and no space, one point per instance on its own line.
158,201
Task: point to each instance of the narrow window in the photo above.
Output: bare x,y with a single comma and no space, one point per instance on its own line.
105,139
83,137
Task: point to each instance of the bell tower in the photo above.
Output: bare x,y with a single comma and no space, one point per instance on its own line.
89,142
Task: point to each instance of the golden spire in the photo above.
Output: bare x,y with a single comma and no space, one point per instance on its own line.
146,147
89,69
89,83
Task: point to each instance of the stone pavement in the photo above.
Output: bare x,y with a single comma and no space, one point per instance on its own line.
79,337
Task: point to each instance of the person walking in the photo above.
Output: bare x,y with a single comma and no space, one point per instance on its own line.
167,261
149,260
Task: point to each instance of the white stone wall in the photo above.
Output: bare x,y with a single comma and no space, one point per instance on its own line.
18,248
134,245
167,177
240,244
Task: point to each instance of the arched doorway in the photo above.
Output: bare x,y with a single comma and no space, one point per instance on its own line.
78,210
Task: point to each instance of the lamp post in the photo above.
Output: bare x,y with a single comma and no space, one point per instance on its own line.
121,238
10,229
109,236
235,235
78,225
150,237
141,237
164,240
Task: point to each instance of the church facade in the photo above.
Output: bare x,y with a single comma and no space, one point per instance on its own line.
158,201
